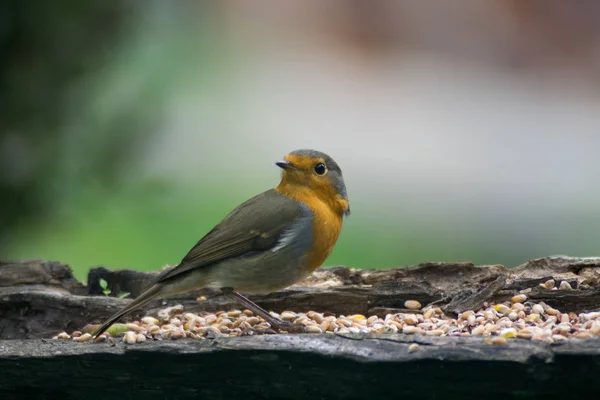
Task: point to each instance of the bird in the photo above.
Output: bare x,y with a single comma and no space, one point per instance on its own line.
267,243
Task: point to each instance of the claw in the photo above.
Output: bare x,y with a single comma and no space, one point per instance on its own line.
290,327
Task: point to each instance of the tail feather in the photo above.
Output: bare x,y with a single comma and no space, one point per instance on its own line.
140,301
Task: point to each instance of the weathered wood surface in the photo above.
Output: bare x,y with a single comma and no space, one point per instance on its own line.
39,299
300,366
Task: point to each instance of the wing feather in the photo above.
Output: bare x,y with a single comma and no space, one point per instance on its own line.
257,224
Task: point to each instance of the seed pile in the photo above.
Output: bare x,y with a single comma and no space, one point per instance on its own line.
517,318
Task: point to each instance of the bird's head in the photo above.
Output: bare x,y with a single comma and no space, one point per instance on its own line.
312,171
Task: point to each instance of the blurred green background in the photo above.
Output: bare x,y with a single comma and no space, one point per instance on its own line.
467,131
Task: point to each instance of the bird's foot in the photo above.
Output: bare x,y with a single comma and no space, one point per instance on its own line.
257,332
288,327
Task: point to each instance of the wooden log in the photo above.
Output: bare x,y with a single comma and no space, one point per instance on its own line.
39,299
300,366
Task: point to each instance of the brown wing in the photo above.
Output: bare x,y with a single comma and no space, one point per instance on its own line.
255,225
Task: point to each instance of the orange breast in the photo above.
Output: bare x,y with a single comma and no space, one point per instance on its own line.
327,224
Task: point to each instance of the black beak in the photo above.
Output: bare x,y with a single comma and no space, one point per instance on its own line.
284,165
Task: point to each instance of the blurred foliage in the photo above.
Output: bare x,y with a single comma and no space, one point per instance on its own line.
78,101
47,48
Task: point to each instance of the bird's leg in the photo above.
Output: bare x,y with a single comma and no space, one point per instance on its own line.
275,323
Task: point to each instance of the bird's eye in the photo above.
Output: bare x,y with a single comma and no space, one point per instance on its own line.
320,169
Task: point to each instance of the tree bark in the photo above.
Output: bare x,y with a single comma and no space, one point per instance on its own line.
38,299
300,366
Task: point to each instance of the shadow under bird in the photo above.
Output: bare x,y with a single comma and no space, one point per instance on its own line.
268,243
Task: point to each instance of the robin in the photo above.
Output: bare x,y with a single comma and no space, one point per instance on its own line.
267,243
